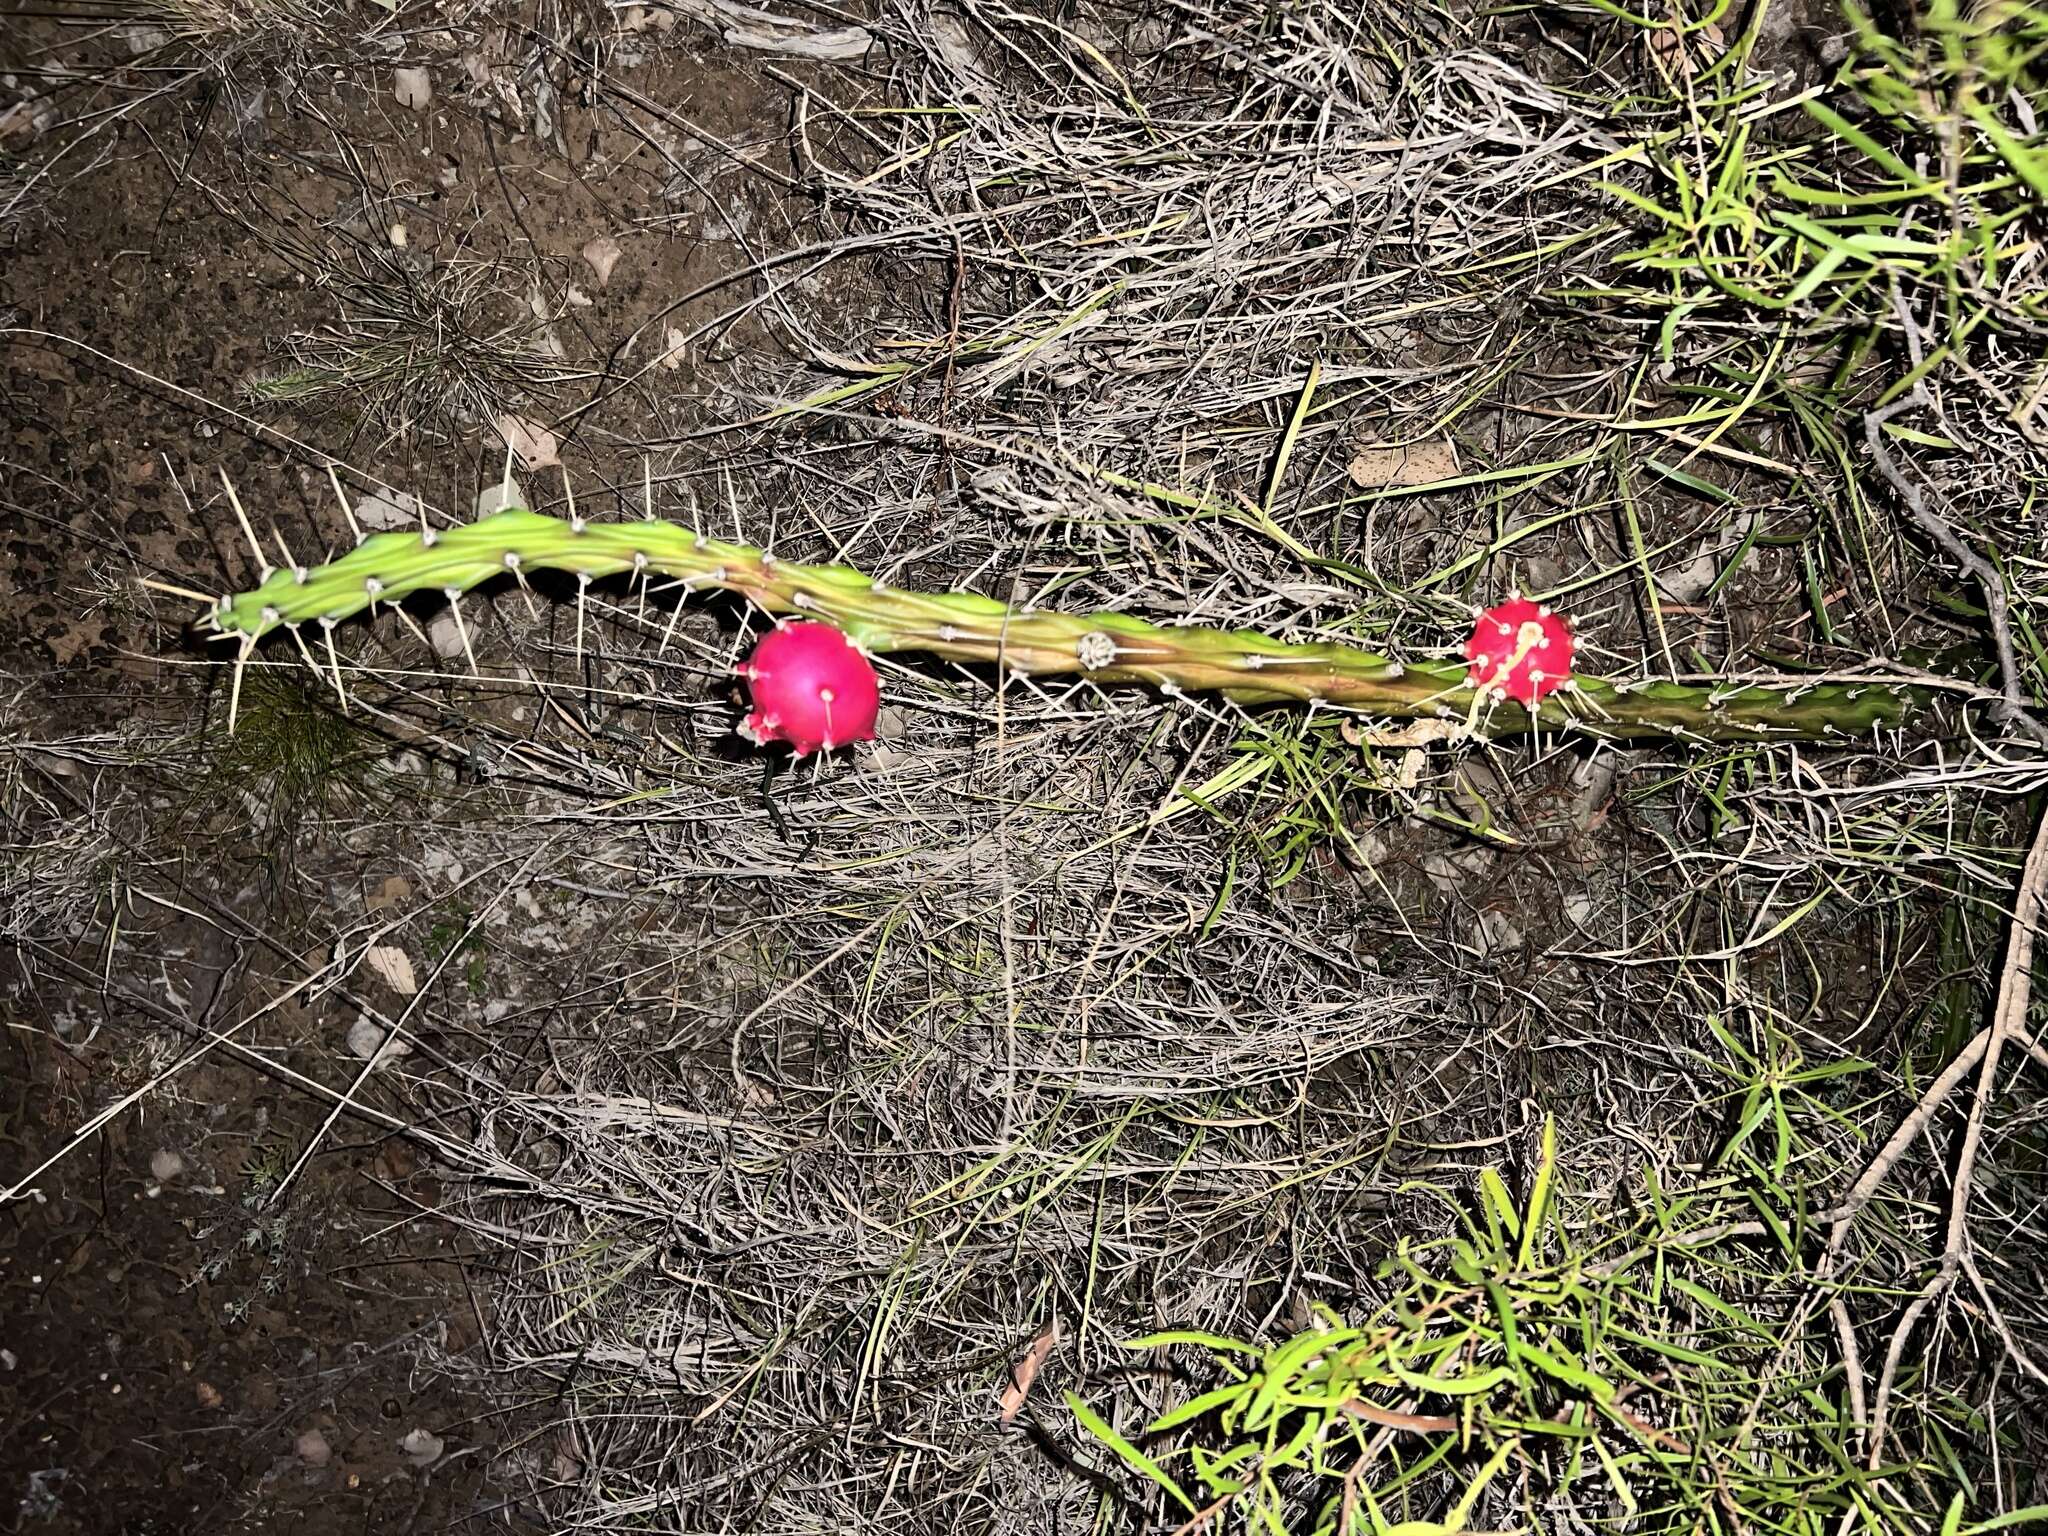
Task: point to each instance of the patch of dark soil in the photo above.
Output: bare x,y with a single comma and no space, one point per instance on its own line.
181,1353
183,1348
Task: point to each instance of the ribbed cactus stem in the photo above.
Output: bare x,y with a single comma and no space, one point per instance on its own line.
1108,647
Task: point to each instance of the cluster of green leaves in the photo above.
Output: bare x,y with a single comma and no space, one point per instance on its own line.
1658,1369
1292,784
1301,777
458,932
1924,168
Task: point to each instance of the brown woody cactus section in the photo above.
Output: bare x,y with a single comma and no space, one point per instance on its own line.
1108,647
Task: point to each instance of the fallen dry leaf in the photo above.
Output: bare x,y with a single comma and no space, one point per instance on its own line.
394,892
382,511
531,443
601,255
395,966
1668,47
1025,1371
413,87
1378,465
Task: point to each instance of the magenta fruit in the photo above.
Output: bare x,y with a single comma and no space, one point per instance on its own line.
1520,650
811,688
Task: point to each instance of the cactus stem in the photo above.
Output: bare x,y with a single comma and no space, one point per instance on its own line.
1106,648
1581,696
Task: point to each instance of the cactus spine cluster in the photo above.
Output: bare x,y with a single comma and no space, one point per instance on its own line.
1244,665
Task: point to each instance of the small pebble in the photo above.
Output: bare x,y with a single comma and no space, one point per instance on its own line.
498,495
422,1447
445,635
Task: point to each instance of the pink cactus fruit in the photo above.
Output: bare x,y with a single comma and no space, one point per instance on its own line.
1520,650
812,688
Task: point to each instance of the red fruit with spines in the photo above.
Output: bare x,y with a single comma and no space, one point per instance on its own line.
1520,649
812,688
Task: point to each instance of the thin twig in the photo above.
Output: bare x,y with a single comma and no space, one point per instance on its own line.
2015,992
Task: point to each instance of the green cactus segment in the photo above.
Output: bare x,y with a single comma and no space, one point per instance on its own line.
1108,647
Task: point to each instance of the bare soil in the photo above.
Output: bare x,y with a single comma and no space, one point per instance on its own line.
198,1352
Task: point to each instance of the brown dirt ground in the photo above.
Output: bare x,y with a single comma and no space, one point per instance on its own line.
166,1364
167,1346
